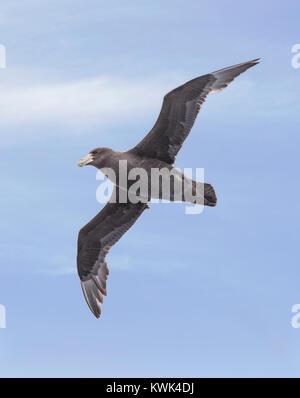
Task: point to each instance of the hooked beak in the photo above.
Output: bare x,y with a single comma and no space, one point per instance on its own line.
86,160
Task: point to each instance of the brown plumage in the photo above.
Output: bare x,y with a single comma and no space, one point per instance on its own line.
157,150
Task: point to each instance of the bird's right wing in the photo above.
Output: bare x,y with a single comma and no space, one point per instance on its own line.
94,242
179,111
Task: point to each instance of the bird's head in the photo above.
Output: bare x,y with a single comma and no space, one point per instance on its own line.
96,158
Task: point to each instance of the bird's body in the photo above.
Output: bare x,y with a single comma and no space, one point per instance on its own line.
157,151
123,163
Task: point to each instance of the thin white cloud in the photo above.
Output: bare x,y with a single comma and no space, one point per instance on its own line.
85,102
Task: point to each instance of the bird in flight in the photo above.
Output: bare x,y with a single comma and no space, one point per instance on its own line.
158,149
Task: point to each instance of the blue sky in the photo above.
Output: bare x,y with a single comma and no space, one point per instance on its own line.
201,295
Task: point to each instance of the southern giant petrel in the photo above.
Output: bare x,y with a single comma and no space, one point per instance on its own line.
157,150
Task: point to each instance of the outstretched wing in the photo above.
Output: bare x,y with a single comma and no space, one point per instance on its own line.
94,242
180,109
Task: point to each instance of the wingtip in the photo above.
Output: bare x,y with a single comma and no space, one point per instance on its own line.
95,312
93,297
254,61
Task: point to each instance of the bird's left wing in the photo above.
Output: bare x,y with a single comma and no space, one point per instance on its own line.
94,242
179,111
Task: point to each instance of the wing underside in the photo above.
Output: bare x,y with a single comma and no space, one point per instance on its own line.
180,109
95,241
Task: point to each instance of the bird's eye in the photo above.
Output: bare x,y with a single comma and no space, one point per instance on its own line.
94,152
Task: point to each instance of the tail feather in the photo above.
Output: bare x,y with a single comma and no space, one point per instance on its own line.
204,194
210,197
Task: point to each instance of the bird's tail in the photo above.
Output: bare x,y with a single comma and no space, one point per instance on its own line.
202,193
210,197
199,193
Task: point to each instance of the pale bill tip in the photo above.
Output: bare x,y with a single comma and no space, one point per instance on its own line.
86,160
